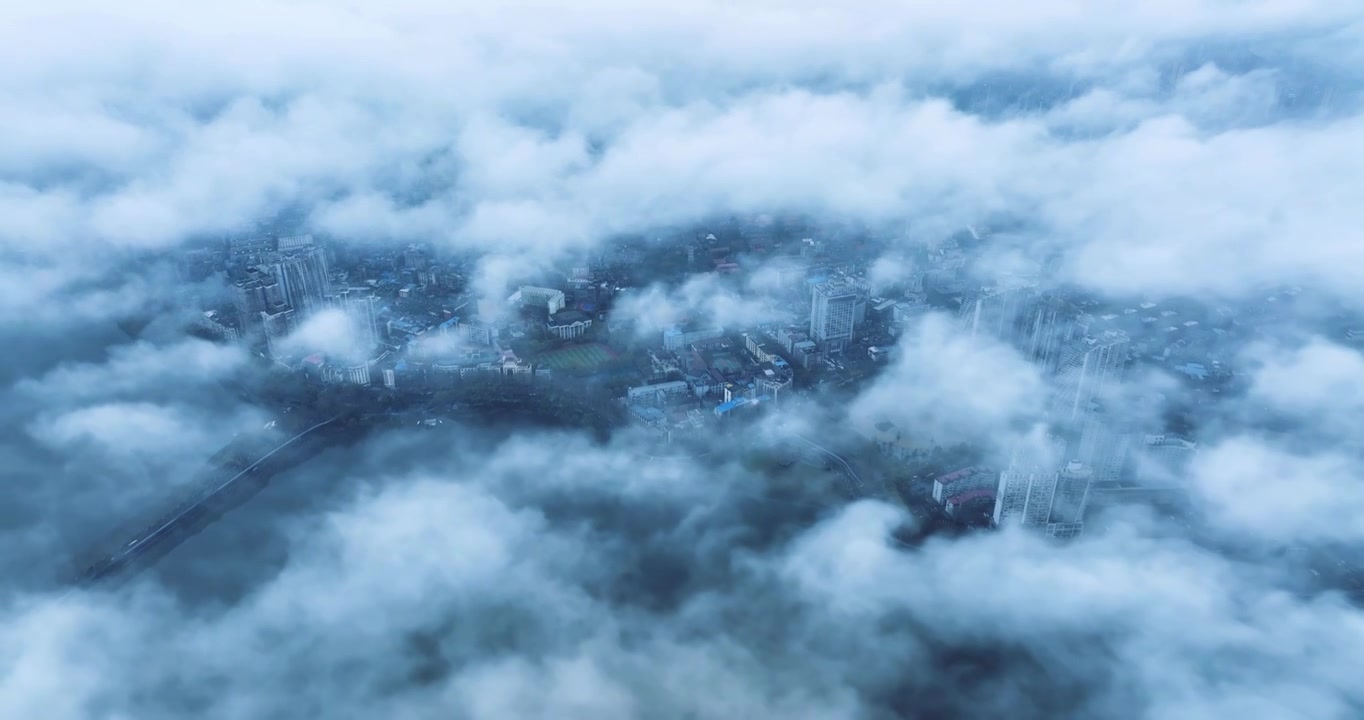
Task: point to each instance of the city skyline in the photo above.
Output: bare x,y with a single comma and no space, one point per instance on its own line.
865,360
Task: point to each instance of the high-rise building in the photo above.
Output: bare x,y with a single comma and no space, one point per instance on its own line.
996,311
1011,496
832,314
1088,369
415,256
302,275
256,293
361,309
276,326
1024,496
1103,445
1028,484
1070,496
1047,329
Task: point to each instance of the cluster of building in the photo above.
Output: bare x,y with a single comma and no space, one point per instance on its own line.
406,318
1093,451
712,373
417,325
286,281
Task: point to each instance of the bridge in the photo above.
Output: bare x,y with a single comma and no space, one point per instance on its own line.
224,486
238,471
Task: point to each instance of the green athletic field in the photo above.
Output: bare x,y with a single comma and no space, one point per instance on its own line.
578,357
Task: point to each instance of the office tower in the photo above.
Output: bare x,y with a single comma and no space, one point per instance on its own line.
361,309
276,325
1070,496
302,275
256,293
1027,485
1089,367
996,311
832,309
1025,496
415,257
1047,328
1103,446
1012,496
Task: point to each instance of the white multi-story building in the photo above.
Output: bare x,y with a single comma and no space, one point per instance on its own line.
996,311
354,374
1071,495
759,349
303,278
293,242
1103,446
568,324
1088,369
833,308
1028,484
276,326
1047,331
1024,496
476,331
549,298
962,481
676,338
657,393
361,309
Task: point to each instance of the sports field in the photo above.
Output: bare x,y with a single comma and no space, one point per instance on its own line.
578,357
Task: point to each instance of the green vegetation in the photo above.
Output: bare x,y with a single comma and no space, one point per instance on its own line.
578,357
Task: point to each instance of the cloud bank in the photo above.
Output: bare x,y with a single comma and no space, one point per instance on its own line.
1202,149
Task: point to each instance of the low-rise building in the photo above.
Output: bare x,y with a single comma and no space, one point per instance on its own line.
551,300
568,324
658,393
963,481
677,338
474,330
759,348
956,502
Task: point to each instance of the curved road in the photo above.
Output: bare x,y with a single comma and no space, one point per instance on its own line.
858,485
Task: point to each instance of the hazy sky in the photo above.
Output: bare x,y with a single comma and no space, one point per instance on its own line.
1205,148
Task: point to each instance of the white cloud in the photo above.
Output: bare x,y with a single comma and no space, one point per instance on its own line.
1320,383
1266,493
136,369
949,387
331,332
552,576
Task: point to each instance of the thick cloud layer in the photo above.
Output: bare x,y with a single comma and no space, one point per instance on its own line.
1205,149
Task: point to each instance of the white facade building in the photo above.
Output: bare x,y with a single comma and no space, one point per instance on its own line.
658,393
1088,369
833,308
569,324
676,338
549,298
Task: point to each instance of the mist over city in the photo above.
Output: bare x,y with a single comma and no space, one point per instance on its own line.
744,359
